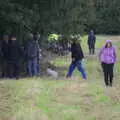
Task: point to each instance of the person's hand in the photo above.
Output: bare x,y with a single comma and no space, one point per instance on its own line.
84,60
85,57
73,59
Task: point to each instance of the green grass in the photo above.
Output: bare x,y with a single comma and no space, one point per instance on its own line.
47,99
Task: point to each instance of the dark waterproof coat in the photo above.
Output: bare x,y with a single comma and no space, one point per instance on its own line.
91,40
14,51
4,50
32,49
77,53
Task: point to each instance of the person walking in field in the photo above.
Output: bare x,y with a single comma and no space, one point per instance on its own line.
91,42
77,57
107,57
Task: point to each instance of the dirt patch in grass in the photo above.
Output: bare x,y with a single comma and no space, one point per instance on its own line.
114,94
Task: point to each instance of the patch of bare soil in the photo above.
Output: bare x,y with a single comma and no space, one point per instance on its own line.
114,94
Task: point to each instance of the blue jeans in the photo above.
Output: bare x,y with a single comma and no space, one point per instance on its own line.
32,67
38,67
79,66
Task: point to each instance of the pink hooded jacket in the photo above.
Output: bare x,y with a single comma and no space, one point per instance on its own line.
108,55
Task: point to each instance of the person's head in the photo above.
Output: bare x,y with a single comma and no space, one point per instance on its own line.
5,38
37,36
13,38
30,36
91,32
74,41
108,44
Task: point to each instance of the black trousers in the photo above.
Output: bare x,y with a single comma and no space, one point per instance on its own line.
14,69
92,49
108,73
4,68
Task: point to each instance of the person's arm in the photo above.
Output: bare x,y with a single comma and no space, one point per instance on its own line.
38,52
88,40
115,55
26,49
82,54
100,53
1,51
95,39
72,52
79,51
21,49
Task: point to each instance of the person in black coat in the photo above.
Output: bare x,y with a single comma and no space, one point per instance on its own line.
4,55
91,42
15,53
77,57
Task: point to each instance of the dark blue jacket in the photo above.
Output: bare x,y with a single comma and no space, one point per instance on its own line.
32,49
15,53
91,40
4,50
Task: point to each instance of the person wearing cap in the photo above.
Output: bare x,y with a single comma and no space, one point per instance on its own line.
107,57
77,57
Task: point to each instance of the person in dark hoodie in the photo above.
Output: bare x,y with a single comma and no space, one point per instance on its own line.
4,55
15,53
32,51
77,57
91,42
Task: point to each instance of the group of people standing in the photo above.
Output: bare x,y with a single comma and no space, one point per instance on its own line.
12,53
107,57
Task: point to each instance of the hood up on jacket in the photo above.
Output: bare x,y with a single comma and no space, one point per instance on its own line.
108,41
108,55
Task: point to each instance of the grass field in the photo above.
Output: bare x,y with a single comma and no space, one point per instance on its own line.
48,99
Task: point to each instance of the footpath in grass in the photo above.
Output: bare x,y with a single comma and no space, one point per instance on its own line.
62,99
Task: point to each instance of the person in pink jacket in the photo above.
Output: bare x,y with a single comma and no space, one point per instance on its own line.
107,57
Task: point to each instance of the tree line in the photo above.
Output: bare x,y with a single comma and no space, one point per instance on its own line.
59,16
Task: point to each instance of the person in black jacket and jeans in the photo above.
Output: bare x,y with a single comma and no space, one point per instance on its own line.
32,52
15,53
77,57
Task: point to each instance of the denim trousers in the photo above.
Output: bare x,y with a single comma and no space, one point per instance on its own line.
80,68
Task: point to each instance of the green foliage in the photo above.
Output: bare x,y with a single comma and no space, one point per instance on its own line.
53,37
60,16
